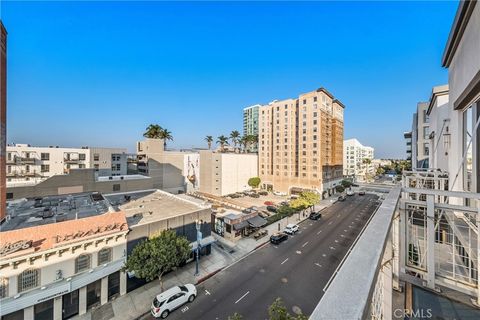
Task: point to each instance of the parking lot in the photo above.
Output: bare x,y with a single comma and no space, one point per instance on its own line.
247,201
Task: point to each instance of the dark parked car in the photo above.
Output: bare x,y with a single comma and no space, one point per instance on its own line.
254,195
315,215
342,198
278,238
361,193
272,208
263,193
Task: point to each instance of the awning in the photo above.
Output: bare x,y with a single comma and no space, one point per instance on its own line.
240,225
203,242
257,222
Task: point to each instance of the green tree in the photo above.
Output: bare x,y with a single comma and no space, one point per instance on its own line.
254,182
244,142
209,140
278,311
153,257
235,138
153,131
340,188
222,141
312,198
165,135
346,183
235,316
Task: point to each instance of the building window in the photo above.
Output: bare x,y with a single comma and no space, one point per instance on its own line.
45,168
3,287
81,156
96,166
96,157
425,149
45,156
9,195
314,99
304,101
28,279
82,263
104,256
426,133
116,187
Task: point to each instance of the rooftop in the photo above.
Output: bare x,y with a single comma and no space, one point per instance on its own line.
152,205
31,212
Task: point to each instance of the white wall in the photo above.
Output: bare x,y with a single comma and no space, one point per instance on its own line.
236,170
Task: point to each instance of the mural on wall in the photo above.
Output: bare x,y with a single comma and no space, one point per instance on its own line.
192,168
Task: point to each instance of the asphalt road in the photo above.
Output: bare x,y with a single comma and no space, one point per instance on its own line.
296,270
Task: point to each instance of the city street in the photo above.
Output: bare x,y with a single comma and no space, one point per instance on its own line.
296,270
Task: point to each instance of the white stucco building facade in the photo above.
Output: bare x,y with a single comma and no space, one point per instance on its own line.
357,159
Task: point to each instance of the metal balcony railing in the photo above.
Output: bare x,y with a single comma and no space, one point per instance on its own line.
422,234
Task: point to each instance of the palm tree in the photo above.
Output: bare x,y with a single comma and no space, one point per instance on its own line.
209,140
153,131
234,137
165,135
222,140
251,139
243,142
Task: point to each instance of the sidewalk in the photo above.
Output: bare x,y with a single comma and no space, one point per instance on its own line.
136,304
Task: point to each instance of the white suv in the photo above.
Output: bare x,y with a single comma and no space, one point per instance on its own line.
173,298
291,228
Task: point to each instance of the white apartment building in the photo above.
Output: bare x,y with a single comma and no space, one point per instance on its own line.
439,115
357,159
30,165
420,136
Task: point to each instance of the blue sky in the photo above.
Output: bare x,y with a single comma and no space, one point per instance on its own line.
97,73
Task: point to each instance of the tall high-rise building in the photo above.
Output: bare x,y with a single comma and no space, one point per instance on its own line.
250,124
301,143
3,118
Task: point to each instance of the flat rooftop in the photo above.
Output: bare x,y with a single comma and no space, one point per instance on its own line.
31,212
154,205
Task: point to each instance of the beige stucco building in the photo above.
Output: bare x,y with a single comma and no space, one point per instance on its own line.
301,143
226,173
172,171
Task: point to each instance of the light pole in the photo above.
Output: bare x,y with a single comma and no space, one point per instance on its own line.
198,224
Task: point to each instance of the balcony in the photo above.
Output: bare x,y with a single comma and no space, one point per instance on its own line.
423,241
25,160
71,160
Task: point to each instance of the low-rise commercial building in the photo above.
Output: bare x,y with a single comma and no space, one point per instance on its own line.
29,165
150,212
80,180
226,173
357,160
172,171
60,256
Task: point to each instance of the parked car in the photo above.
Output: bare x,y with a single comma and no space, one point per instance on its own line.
315,215
291,228
263,193
278,238
272,208
354,185
278,193
268,203
342,198
361,193
350,193
173,298
254,195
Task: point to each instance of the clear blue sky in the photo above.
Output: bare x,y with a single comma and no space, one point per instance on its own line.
97,73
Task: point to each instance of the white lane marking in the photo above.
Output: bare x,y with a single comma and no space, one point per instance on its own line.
344,230
343,236
207,292
298,252
332,248
319,232
303,245
336,241
275,247
311,224
185,309
318,264
284,261
330,223
242,297
324,255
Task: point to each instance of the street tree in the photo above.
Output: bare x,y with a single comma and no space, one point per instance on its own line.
151,258
346,183
222,141
312,198
254,182
340,188
278,311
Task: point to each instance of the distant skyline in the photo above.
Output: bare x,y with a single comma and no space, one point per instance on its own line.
98,73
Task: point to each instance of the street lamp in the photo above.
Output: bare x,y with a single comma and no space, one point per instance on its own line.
198,225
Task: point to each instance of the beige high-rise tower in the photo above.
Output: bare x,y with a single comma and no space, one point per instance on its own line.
301,143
